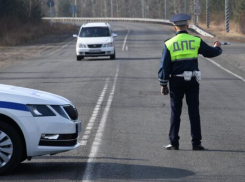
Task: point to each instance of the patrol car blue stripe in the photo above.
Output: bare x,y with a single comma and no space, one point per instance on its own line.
12,105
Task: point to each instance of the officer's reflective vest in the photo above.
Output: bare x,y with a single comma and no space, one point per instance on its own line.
183,47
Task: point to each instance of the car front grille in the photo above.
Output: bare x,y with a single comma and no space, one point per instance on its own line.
71,111
58,143
94,53
95,45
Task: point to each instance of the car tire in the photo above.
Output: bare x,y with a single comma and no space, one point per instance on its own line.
11,150
23,159
79,58
113,56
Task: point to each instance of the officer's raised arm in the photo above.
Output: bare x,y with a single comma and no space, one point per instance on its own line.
209,51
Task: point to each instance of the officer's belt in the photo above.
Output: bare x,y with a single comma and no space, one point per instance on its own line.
182,75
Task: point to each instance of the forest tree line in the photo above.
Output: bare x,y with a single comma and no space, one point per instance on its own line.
33,10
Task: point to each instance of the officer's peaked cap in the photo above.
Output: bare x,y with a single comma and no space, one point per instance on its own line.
180,19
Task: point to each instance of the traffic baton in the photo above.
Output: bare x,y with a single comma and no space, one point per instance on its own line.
225,43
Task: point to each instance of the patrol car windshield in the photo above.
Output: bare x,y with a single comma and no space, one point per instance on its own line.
95,32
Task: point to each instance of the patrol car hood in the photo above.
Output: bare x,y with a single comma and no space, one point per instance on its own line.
94,40
9,93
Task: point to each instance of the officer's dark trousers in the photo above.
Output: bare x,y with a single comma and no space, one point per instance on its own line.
178,88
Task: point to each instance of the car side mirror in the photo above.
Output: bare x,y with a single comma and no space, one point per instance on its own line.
75,36
114,35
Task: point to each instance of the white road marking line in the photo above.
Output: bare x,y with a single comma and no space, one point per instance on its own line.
85,137
60,48
228,71
83,143
99,134
89,128
93,117
90,124
95,112
87,132
125,40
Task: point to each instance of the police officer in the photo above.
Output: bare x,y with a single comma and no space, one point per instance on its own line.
179,67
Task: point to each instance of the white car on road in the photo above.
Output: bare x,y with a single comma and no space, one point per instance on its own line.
95,39
34,123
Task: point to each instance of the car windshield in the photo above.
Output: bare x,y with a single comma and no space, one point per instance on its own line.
95,32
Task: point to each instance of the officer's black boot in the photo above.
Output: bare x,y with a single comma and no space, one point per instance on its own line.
198,147
172,147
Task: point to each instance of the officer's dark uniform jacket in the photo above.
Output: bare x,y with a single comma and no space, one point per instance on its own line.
180,54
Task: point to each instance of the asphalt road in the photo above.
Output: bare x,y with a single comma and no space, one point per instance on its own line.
130,126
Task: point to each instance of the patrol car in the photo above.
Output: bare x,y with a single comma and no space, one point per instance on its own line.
94,40
34,123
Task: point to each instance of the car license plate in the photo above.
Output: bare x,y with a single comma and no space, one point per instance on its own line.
79,127
95,50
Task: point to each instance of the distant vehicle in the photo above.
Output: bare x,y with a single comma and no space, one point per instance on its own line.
34,123
95,39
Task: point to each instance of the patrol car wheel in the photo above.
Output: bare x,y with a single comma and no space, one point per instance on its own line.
10,148
23,159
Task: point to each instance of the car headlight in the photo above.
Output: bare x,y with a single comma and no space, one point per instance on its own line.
60,110
82,45
66,111
108,44
40,110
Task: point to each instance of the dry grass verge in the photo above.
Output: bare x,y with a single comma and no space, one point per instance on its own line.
218,29
14,33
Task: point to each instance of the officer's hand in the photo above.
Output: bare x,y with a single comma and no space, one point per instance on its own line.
217,44
164,90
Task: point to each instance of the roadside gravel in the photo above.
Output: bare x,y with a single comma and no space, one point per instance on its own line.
9,55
